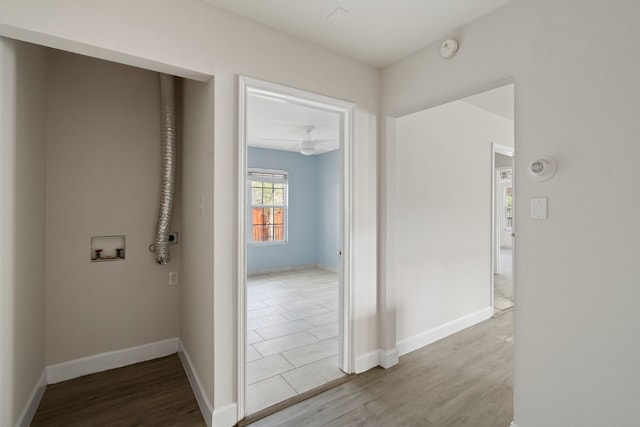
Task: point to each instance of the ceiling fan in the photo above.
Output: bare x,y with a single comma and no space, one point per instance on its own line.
307,143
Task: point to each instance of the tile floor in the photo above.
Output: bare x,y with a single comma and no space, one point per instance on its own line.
503,283
292,335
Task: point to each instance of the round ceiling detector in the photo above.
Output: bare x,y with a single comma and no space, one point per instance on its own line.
449,48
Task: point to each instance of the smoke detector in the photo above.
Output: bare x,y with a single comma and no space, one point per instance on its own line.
449,48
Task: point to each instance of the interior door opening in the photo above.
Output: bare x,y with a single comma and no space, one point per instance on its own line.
503,228
294,317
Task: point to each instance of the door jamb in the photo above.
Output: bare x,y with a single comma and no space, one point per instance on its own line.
507,151
346,110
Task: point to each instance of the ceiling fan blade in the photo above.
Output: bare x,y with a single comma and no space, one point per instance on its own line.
281,139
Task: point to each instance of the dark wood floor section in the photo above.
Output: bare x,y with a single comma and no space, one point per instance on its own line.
465,380
153,393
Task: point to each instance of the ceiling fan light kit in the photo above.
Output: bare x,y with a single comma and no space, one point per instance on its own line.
307,146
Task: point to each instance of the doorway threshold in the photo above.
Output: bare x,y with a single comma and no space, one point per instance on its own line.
249,419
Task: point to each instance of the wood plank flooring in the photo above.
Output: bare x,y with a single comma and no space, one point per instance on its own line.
153,393
465,380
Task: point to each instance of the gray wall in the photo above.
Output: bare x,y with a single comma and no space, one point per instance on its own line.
196,290
103,168
443,206
328,230
503,160
22,227
575,65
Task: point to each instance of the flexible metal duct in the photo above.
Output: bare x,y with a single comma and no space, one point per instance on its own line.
160,245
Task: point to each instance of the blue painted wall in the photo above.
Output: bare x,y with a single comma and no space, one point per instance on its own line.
312,212
328,202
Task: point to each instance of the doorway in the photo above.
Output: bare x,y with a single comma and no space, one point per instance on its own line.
503,227
293,294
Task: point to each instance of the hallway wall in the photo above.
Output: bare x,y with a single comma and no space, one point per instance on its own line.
443,207
575,64
22,225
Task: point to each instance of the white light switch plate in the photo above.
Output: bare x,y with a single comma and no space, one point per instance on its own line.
538,208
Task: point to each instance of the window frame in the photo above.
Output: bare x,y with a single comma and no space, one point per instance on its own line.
274,176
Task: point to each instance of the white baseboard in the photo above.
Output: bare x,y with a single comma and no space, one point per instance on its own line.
280,270
292,268
29,411
110,360
386,359
367,361
226,416
513,424
327,268
201,397
428,337
389,358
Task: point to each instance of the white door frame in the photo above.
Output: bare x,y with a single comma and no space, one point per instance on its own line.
507,151
345,110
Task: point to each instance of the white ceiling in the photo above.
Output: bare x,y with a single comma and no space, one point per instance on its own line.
279,125
498,101
376,32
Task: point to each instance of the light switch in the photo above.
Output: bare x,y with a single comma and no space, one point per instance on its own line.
538,208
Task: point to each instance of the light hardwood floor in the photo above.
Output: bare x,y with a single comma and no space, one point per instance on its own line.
153,393
465,380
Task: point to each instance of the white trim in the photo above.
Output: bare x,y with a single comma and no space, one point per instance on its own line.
346,272
346,111
293,268
196,386
389,358
281,270
29,411
241,334
48,40
225,416
495,250
328,268
513,424
420,340
110,360
379,357
367,361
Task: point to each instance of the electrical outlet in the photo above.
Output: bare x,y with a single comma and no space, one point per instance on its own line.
173,278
